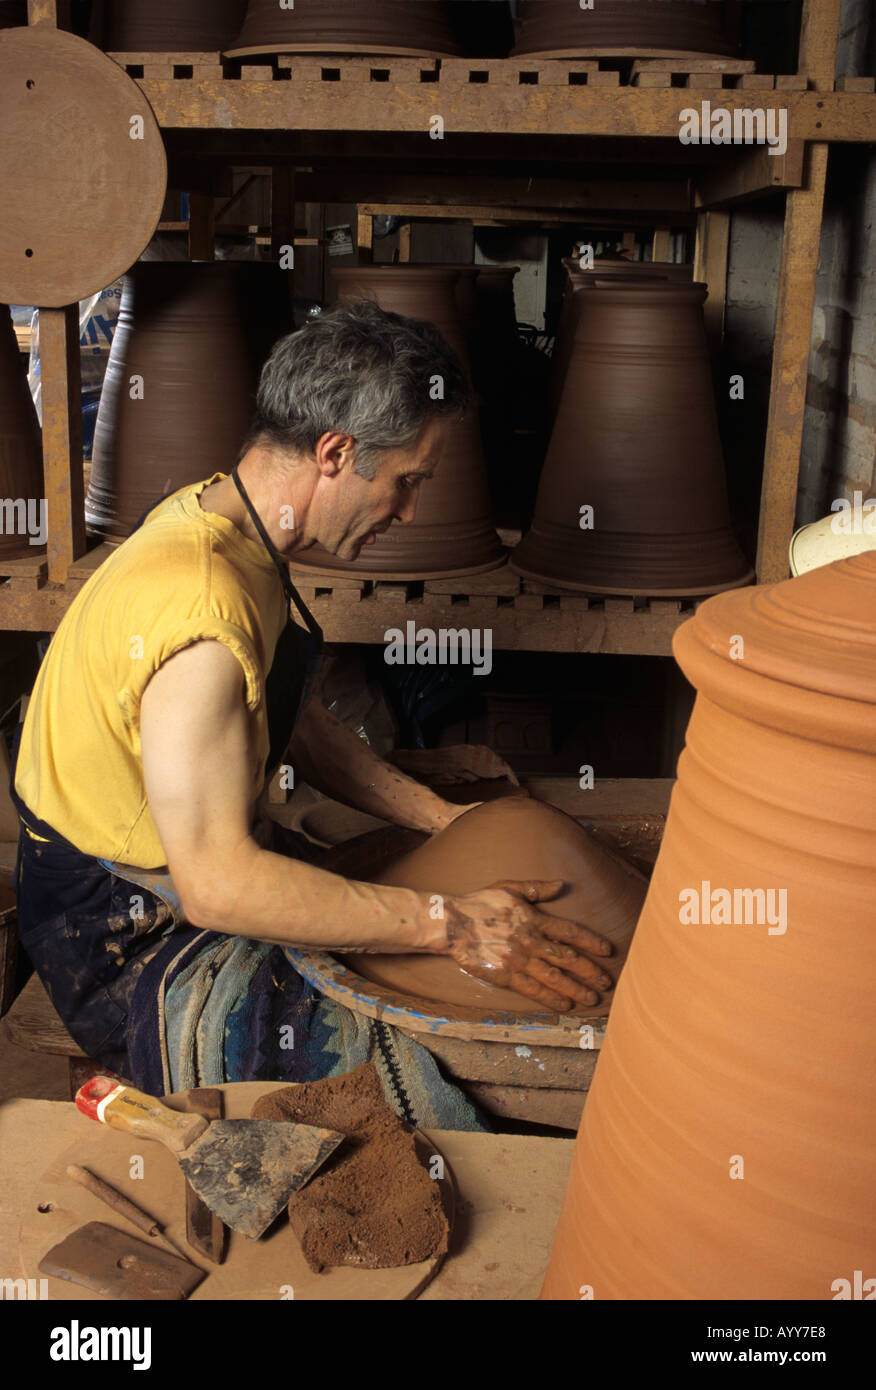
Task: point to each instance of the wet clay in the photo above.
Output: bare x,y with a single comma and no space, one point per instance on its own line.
636,440
452,532
175,26
556,28
346,26
610,269
512,838
372,1204
197,334
726,1147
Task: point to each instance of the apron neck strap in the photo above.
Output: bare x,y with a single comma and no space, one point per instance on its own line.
289,589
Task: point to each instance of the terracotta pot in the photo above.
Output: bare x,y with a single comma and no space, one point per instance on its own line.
559,29
727,1043
21,449
636,439
452,533
197,334
346,26
176,26
511,838
608,269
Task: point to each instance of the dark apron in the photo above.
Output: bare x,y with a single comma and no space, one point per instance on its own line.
90,925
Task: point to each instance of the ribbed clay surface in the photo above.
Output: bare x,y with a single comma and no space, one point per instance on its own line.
726,1042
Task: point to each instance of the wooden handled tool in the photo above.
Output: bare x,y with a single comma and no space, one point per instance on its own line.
245,1170
121,1204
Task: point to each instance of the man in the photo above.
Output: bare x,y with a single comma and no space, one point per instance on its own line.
148,733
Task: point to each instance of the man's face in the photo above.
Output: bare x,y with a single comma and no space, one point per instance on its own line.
354,510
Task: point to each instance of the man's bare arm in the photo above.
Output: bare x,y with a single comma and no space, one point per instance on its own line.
334,760
201,780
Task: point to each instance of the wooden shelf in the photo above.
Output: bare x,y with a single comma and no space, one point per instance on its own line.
546,97
521,616
212,108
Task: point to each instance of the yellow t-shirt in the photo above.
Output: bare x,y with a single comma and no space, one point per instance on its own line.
185,574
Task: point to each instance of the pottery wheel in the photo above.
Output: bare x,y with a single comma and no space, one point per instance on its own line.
253,1269
81,197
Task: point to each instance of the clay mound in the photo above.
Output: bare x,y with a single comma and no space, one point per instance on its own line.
373,1204
515,837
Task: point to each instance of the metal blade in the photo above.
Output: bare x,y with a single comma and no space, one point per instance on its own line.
246,1170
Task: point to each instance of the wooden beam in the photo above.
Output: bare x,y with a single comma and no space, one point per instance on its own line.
819,32
500,110
236,196
43,12
495,216
661,246
791,345
202,227
619,195
796,300
282,210
62,438
711,245
364,237
346,615
404,243
753,173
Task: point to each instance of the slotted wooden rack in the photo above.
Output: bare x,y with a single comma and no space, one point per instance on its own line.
229,108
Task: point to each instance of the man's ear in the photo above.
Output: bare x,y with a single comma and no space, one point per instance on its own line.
334,452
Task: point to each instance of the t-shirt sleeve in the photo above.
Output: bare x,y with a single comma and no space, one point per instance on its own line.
209,629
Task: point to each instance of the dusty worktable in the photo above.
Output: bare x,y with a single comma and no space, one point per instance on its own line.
510,1191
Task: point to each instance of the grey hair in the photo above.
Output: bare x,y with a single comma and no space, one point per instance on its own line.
358,370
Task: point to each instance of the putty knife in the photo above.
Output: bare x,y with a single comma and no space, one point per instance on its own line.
244,1170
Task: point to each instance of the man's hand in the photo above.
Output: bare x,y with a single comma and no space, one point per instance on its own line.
499,935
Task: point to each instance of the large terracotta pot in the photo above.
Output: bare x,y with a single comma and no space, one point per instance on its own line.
453,532
726,1148
636,439
561,29
196,334
176,26
609,270
511,838
21,451
347,26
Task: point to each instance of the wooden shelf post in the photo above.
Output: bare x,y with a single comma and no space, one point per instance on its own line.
711,246
62,438
796,301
